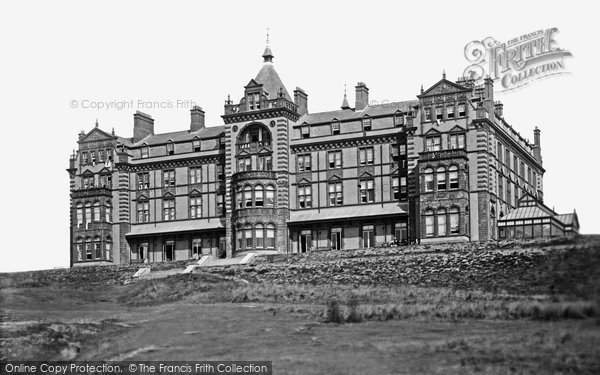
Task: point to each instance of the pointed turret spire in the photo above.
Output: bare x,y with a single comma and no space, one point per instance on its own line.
345,101
268,55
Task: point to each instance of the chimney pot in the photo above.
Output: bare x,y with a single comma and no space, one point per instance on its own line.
301,100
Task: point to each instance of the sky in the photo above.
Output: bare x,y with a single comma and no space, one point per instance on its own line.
61,60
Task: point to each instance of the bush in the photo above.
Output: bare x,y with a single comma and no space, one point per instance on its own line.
334,312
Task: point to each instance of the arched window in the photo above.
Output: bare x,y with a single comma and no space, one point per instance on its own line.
253,136
441,221
428,179
97,248
248,236
79,214
259,233
429,229
108,247
270,244
453,176
270,196
454,221
79,249
108,212
441,178
240,198
248,196
88,214
259,196
240,238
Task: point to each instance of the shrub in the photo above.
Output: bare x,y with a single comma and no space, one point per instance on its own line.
334,312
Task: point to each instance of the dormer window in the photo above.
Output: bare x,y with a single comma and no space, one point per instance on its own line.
398,119
305,131
145,151
366,123
170,148
253,101
196,144
335,127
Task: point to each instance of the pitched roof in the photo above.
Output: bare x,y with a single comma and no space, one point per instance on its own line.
268,77
178,136
566,219
526,213
348,114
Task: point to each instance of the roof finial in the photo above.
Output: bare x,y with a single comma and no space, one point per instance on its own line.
421,88
268,55
113,131
96,122
444,74
345,101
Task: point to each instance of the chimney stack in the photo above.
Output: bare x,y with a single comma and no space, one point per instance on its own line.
537,147
143,126
362,96
301,100
197,115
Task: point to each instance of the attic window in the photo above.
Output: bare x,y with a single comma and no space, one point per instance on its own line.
335,127
305,131
366,123
253,101
196,145
170,148
398,119
145,151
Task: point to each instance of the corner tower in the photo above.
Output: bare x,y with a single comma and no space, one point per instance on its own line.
256,159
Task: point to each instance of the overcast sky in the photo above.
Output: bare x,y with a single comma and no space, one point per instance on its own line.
54,53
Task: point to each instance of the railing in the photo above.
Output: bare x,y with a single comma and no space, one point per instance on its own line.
91,192
254,146
443,154
254,175
273,103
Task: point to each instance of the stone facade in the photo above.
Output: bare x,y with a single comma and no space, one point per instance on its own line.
276,178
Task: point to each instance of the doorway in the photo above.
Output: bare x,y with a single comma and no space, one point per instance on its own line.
169,250
305,241
336,238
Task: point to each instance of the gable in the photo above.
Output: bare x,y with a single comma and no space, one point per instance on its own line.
252,83
432,131
443,87
457,129
97,135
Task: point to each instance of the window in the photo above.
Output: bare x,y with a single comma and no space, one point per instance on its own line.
335,159
454,224
79,249
396,187
515,164
441,178
453,176
433,144
107,212
168,209
240,238
88,249
109,155
97,248
259,232
170,148
220,205
259,196
106,181
304,196
88,182
402,149
439,112
79,214
457,141
336,197
522,170
270,244
96,211
428,177
462,110
507,158
270,196
143,181
143,212
195,207
529,175
248,236
450,111
84,158
398,119
335,127
429,230
500,152
501,188
508,193
304,162
265,163
366,123
244,164
305,131
169,177
368,236
195,175
253,101
516,196
101,156
196,145
367,191
441,222
366,156
403,187
400,232
145,151
88,214
93,157
248,196
427,114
